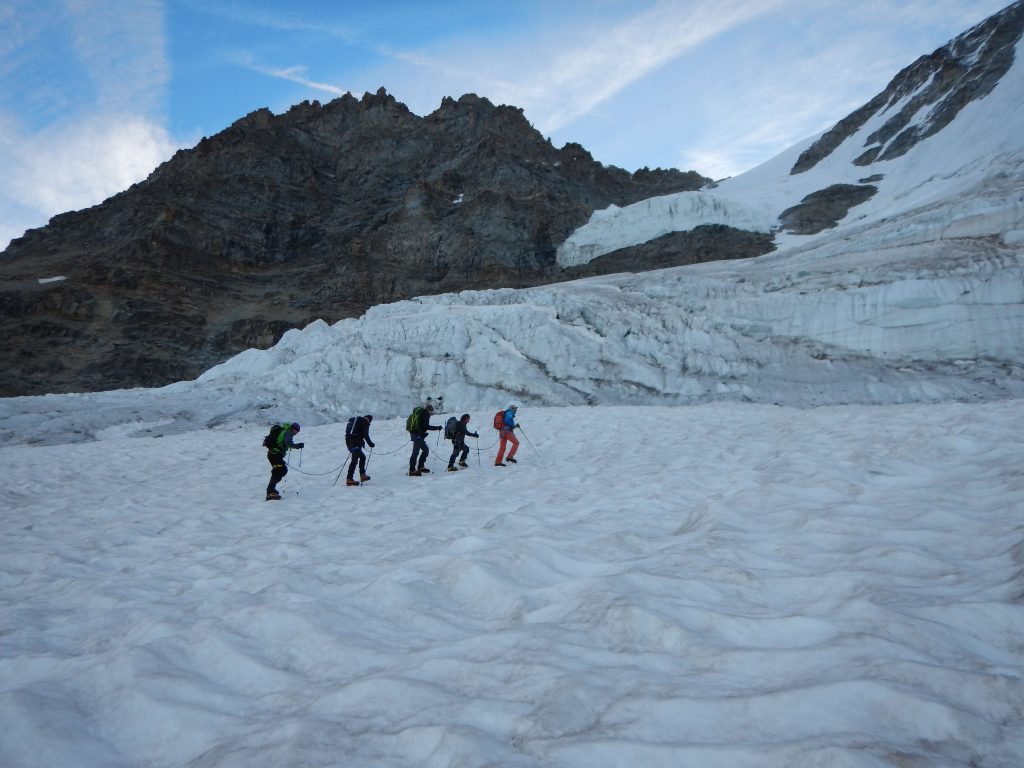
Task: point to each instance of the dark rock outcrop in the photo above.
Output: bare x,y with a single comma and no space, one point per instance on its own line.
708,242
318,213
823,209
931,92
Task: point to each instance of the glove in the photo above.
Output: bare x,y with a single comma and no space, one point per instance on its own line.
300,446
371,444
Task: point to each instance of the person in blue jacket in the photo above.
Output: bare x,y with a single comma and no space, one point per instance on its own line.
507,435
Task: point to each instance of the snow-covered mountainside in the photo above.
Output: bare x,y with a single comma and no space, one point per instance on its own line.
950,124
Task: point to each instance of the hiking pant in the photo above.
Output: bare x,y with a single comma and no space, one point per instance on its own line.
278,469
458,445
357,456
509,436
420,450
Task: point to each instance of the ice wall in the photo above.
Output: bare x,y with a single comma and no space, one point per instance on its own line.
915,319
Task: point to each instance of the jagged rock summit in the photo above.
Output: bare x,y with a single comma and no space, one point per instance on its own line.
279,220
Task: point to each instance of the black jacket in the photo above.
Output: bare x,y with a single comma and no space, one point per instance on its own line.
357,434
461,432
423,425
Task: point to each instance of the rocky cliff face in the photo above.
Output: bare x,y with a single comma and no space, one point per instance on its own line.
320,212
926,96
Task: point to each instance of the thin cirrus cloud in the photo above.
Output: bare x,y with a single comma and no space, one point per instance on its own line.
295,74
122,46
278,21
581,79
577,78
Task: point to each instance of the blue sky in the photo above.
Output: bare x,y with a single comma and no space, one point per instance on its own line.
96,93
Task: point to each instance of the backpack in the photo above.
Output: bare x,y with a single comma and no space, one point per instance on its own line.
273,438
351,426
449,428
499,420
412,424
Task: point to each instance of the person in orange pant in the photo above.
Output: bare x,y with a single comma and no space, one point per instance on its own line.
507,434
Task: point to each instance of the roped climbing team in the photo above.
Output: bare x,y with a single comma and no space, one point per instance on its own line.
357,435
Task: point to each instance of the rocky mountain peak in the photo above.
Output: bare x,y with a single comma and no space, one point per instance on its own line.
281,219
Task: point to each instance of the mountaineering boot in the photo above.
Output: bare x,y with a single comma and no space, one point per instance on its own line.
463,464
363,478
424,470
414,473
273,496
510,459
453,469
498,464
350,481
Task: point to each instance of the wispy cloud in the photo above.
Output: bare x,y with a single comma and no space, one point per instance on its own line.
121,43
275,20
71,167
294,74
109,134
291,22
580,79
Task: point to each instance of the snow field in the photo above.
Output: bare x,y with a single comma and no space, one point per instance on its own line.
717,585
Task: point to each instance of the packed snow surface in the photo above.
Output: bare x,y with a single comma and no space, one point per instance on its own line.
719,585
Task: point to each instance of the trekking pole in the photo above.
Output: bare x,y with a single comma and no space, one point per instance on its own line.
367,467
478,465
336,479
528,440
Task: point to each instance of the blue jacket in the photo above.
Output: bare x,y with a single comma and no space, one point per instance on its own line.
510,419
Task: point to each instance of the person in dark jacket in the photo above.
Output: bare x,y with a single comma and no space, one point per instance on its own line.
459,443
357,434
276,456
418,434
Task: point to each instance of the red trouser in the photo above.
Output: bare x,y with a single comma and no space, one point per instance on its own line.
509,436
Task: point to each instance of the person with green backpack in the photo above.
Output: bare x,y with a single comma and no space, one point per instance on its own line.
278,443
418,425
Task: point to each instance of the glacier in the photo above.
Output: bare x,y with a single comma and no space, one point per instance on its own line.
766,512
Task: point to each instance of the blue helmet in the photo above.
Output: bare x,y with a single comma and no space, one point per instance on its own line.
295,426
